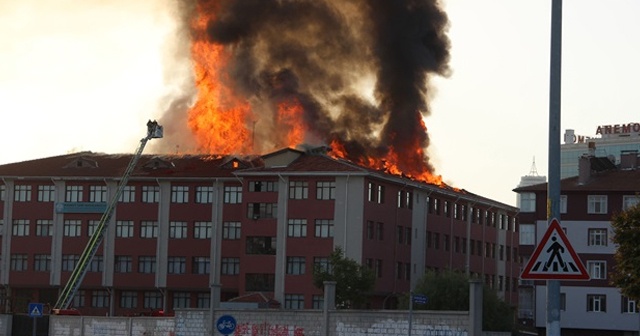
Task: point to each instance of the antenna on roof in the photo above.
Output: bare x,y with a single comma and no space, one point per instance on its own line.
533,171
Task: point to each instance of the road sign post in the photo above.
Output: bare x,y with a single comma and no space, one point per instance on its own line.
35,311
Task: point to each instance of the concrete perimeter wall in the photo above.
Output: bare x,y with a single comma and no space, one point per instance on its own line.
261,322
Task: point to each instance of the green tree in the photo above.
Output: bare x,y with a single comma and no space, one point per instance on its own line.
353,281
449,290
626,235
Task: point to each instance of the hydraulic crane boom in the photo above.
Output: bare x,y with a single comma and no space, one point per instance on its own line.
153,131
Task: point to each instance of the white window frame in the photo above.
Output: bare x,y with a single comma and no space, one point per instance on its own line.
324,228
597,269
202,230
20,228
44,228
597,204
201,265
150,194
179,194
231,230
178,230
297,228
204,194
298,189
124,229
46,193
22,193
597,237
73,193
326,190
527,234
597,303
72,227
128,194
527,202
629,201
98,193
148,229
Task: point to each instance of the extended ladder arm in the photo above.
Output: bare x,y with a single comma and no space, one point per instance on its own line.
75,280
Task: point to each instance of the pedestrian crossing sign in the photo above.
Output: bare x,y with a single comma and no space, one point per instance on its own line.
554,258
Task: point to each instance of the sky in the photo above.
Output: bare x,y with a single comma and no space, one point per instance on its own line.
87,75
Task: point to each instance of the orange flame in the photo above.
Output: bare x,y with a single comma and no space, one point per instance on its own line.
220,117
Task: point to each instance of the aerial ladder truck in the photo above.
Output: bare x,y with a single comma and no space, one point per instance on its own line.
154,131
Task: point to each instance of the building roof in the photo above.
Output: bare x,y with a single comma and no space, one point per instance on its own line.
90,165
611,180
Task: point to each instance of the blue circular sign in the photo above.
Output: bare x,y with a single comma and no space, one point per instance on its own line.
226,324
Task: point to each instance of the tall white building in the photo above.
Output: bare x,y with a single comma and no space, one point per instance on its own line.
608,141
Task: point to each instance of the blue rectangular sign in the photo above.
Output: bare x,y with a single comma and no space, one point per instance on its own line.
419,299
81,207
36,309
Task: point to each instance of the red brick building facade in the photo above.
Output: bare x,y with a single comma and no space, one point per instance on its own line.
193,231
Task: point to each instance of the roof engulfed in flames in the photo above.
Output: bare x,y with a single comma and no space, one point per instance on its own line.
273,74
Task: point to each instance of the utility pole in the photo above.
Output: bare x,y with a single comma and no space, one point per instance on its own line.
553,187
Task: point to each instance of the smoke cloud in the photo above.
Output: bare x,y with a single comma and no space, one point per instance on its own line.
360,69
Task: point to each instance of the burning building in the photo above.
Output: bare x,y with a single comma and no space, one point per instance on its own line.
193,231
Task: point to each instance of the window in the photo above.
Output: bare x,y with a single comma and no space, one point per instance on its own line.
122,264
79,299
3,190
44,228
69,262
400,234
596,303
179,194
259,282
262,210
128,195
629,201
380,194
370,230
181,300
322,263
97,264
378,269
97,193
399,270
527,234
263,186
527,202
92,226
325,190
230,266
20,227
146,264
447,242
124,229
380,231
150,194
148,229
296,265
298,189
46,193
73,194
203,300
22,193
297,228
178,230
261,245
436,240
628,305
177,265
42,262
324,228
100,298
152,300
597,237
72,227
200,265
597,269
563,204
370,194
19,262
293,301
129,299
202,230
597,204
204,195
233,194
317,302
231,230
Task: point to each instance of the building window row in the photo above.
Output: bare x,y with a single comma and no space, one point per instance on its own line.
475,215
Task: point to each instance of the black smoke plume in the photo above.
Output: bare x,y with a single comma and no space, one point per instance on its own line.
360,68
